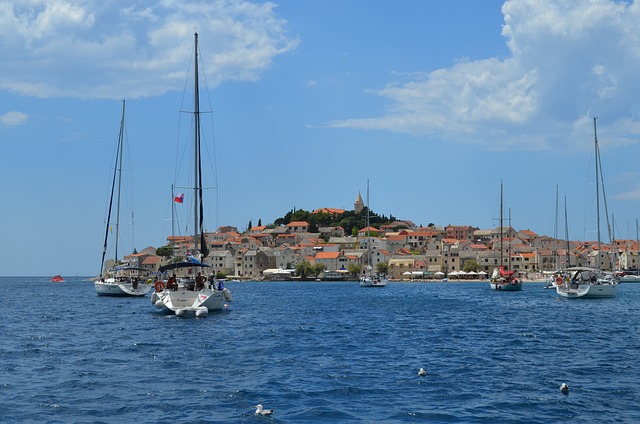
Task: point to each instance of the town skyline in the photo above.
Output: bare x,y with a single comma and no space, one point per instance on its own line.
434,103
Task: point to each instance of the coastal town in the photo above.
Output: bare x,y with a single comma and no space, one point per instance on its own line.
399,249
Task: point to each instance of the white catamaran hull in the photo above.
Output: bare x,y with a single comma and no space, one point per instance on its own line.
113,288
188,302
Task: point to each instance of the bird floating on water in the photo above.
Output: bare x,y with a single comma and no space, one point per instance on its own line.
261,411
564,388
422,372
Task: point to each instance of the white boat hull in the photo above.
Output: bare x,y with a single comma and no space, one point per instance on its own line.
630,279
373,282
114,288
498,286
183,302
587,290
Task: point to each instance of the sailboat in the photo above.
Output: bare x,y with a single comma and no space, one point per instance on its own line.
589,282
559,274
369,278
501,279
122,280
192,293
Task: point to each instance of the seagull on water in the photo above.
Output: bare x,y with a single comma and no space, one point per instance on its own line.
422,372
261,411
564,388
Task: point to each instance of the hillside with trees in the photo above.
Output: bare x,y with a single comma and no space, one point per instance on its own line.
351,221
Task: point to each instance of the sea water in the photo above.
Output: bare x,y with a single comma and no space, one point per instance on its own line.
320,352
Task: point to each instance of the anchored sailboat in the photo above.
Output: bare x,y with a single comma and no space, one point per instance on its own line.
501,279
121,280
369,278
589,282
192,293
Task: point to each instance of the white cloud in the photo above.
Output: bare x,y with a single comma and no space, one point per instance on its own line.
104,50
568,60
630,195
13,119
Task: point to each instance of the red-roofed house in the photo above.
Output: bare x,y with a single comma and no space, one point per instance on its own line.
331,211
332,260
298,226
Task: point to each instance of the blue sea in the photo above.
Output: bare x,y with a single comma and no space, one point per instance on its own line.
320,352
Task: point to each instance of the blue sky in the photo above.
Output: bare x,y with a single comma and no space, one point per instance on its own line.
434,102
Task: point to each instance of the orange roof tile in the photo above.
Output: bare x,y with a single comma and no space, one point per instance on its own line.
327,255
298,224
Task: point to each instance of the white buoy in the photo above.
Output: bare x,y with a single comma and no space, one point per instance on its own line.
159,304
564,388
227,294
262,411
422,372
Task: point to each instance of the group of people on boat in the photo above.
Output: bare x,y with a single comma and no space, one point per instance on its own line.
199,283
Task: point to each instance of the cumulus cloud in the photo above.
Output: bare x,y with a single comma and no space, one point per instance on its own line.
105,50
13,119
566,63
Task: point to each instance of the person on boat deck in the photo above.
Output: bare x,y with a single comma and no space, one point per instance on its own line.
199,282
172,284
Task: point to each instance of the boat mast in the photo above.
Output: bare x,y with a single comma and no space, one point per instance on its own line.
113,185
501,228
566,232
368,232
198,215
595,134
510,243
597,154
555,234
196,143
119,170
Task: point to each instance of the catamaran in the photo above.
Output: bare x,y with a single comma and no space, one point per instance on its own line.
193,292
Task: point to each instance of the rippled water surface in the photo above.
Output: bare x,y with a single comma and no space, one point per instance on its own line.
320,352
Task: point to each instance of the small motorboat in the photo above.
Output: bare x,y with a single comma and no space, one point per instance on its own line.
57,279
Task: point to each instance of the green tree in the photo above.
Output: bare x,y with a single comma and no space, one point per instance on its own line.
382,267
313,227
317,268
303,269
354,268
165,251
470,265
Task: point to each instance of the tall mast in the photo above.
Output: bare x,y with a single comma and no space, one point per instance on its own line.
501,228
196,143
566,232
595,134
198,215
118,164
555,234
119,170
368,232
